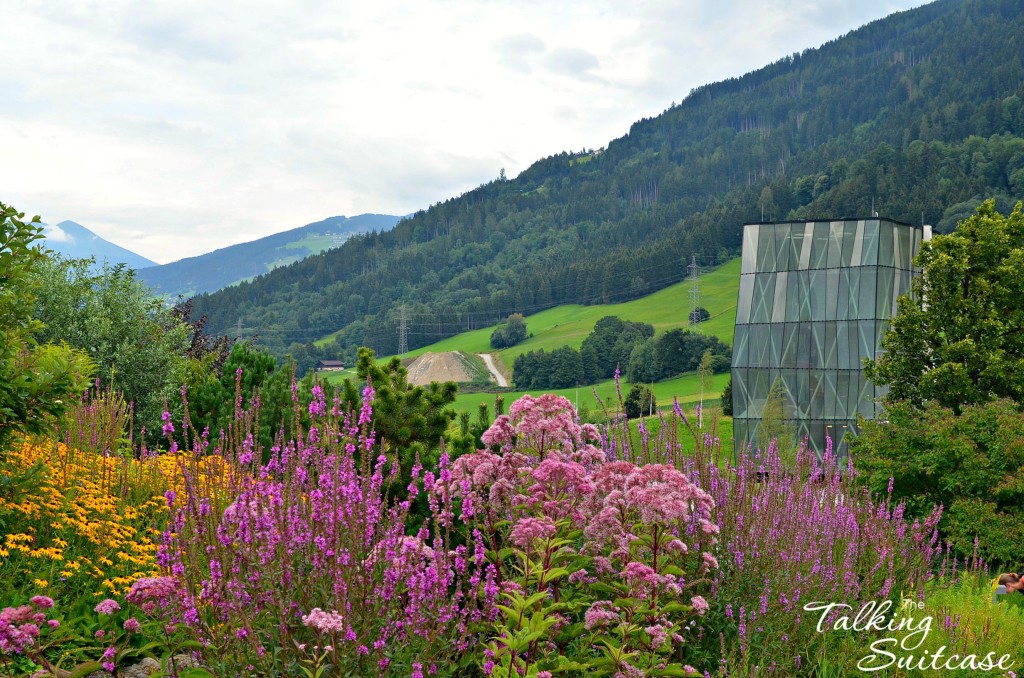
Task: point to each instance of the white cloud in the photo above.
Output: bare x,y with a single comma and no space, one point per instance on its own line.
175,127
56,234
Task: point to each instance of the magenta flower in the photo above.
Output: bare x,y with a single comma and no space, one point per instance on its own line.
529,530
108,606
324,622
42,602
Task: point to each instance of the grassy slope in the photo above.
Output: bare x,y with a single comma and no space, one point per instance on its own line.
569,325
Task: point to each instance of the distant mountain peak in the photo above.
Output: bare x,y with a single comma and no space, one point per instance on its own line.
232,264
71,239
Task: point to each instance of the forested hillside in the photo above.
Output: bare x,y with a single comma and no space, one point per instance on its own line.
918,115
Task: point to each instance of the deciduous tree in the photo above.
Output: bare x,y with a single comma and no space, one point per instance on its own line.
959,338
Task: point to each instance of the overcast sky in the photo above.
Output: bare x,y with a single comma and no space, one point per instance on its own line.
174,128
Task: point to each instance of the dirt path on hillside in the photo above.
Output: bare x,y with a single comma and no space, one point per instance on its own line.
498,376
439,367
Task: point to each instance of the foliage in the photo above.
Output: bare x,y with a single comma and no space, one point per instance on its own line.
698,315
561,368
959,338
674,352
639,402
727,399
615,342
609,345
790,534
249,373
587,556
404,415
776,428
972,463
35,381
139,346
302,566
509,334
906,111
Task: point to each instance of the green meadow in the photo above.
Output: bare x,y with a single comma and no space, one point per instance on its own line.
569,325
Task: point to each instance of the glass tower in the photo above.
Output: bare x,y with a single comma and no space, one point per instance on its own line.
815,299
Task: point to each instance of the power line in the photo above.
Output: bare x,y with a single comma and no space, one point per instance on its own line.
403,332
694,291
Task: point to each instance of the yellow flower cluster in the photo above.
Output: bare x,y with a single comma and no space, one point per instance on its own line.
91,524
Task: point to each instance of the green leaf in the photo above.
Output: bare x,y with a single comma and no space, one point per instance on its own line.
85,669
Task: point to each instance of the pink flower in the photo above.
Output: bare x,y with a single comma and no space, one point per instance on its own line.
641,575
601,614
658,634
324,622
152,593
131,625
700,605
108,606
710,562
530,529
42,602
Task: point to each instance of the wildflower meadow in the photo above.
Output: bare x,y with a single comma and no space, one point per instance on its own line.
557,548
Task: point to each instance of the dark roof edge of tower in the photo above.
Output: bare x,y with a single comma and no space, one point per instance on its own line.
827,220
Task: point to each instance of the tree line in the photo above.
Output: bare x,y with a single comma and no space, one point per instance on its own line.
614,344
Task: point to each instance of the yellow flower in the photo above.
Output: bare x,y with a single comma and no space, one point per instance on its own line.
41,583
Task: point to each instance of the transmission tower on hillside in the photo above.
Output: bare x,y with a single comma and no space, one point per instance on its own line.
403,331
694,291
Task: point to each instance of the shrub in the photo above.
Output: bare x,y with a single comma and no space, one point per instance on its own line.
639,402
510,333
972,463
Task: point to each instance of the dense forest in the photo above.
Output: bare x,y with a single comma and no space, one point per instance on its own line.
918,116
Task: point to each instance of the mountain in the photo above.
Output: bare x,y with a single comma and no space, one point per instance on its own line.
918,116
75,241
229,265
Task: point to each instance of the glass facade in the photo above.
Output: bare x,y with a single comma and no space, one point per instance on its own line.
815,298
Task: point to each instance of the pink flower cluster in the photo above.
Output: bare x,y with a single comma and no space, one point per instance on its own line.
330,623
21,626
152,593
543,424
529,530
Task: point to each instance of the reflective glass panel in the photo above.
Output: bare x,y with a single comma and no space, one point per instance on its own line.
743,303
866,303
819,245
905,235
849,235
869,255
739,343
884,292
766,248
817,290
749,262
885,242
783,236
831,293
789,345
779,304
835,244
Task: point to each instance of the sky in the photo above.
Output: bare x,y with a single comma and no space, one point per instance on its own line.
175,128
